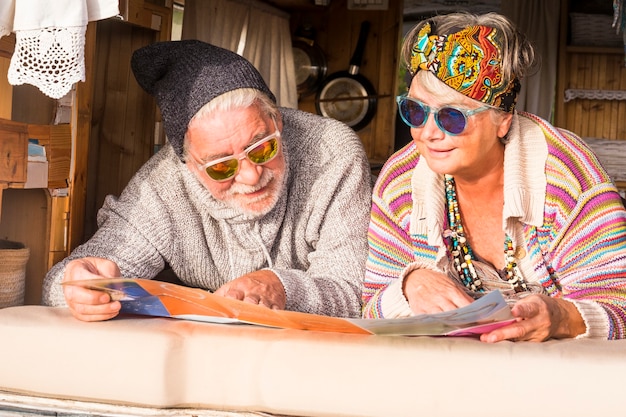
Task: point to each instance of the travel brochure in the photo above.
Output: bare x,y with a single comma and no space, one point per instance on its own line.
145,297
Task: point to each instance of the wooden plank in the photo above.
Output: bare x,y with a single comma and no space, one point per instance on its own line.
3,186
584,105
57,140
108,121
6,98
141,111
123,121
577,82
383,140
30,105
60,156
59,217
13,151
163,14
131,156
600,106
7,45
114,116
562,109
611,115
620,120
81,119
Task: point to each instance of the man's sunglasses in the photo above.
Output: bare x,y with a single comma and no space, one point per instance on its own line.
450,120
259,153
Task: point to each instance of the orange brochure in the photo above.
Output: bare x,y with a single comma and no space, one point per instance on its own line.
146,297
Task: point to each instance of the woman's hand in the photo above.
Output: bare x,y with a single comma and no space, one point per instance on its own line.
85,304
433,292
539,318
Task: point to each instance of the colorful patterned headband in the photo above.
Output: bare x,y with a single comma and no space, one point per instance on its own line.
468,61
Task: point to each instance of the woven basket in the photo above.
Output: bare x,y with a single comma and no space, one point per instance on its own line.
594,30
13,258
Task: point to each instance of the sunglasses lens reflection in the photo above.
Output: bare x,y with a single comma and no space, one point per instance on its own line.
222,170
451,120
413,113
264,152
261,154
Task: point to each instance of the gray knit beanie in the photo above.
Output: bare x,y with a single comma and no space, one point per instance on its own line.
185,75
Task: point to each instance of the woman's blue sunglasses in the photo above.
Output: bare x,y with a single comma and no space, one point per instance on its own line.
450,120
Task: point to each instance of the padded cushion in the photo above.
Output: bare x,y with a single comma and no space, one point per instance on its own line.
168,363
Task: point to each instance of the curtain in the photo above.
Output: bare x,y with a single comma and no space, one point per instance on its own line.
258,32
539,20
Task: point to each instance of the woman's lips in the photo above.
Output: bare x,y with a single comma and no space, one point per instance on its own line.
439,152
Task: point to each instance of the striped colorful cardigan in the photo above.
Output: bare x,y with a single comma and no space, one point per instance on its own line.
559,203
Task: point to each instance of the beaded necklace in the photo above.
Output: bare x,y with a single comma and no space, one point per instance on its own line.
462,252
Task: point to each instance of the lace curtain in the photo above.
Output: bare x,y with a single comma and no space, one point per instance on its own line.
50,40
256,31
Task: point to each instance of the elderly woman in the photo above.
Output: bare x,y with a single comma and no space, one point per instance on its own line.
486,198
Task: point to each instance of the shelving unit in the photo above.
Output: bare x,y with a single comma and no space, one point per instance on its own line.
597,75
49,223
33,216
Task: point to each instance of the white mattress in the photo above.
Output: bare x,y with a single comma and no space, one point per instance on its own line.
137,365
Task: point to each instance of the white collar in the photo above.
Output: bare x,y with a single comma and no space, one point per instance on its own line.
524,184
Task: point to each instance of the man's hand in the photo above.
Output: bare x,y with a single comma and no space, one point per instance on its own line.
85,304
260,287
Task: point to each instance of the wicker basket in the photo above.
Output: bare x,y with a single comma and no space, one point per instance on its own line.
594,30
13,258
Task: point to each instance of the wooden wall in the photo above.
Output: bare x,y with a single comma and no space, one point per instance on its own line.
33,216
122,120
591,79
123,116
599,69
26,219
7,45
598,64
337,33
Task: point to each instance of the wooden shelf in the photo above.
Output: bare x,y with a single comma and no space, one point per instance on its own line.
14,148
149,14
594,50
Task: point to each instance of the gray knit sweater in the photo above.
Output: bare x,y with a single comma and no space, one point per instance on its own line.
315,239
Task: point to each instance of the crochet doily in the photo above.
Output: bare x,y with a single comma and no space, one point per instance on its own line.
51,59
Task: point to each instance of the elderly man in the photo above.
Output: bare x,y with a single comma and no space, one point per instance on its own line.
263,204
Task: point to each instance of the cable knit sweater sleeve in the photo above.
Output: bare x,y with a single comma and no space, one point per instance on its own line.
330,194
135,229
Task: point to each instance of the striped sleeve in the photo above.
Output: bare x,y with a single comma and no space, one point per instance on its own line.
585,231
391,247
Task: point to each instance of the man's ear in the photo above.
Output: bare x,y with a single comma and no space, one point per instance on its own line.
279,121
